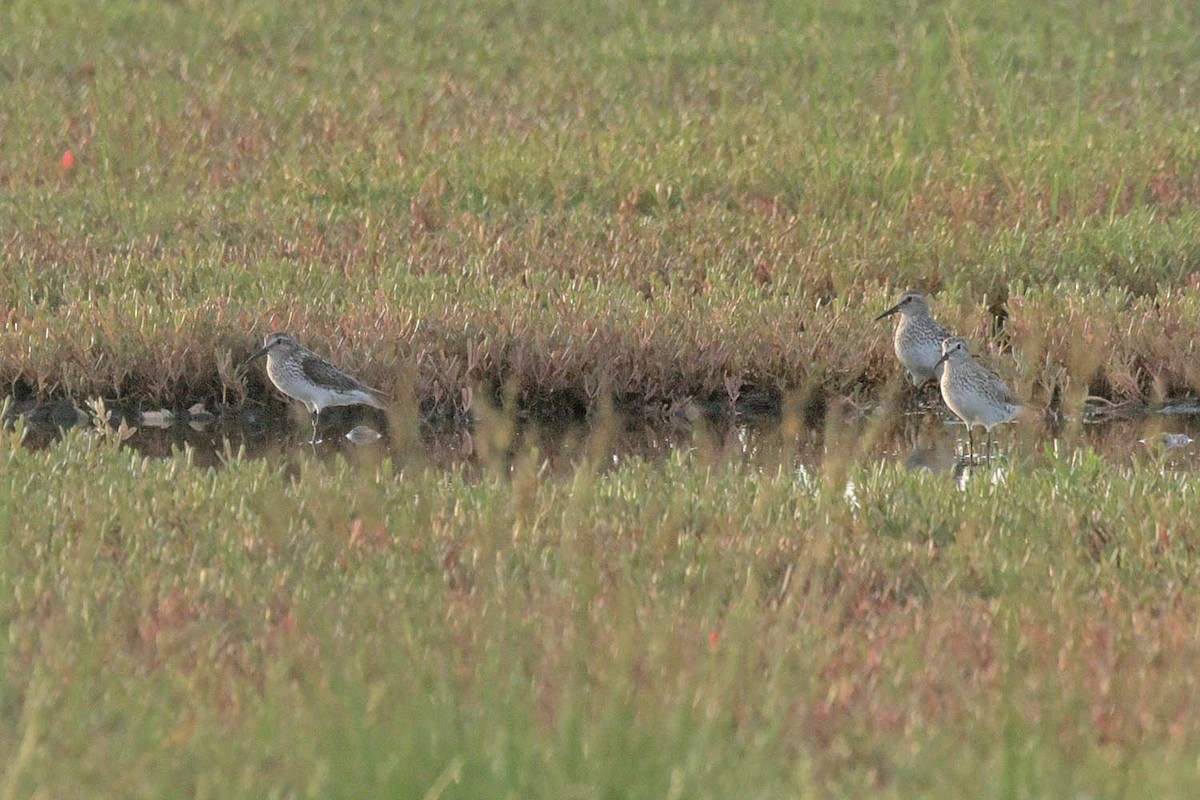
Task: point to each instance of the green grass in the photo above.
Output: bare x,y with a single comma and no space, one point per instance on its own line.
665,629
646,202
649,198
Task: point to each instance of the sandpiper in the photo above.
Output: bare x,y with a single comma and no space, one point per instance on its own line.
919,337
303,375
974,393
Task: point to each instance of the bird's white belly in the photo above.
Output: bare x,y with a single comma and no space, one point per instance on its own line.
976,409
919,357
967,408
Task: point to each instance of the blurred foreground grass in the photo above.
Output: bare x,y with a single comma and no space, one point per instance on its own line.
657,199
283,628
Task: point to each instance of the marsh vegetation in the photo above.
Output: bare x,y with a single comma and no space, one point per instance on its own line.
512,213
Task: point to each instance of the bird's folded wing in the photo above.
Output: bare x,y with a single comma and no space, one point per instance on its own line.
323,373
1002,390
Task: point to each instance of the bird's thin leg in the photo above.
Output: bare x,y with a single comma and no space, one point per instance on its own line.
316,418
970,444
989,446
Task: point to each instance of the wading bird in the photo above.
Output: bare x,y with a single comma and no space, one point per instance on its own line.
974,393
919,337
303,375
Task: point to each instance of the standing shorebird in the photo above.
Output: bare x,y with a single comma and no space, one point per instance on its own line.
919,337
303,375
974,393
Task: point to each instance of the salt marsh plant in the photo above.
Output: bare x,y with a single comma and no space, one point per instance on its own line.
661,200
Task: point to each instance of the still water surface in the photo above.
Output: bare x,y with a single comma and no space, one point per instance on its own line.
922,439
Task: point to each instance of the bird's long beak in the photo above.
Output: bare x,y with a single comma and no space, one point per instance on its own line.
941,360
252,359
889,312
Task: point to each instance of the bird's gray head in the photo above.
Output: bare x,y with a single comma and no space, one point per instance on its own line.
911,302
275,343
955,351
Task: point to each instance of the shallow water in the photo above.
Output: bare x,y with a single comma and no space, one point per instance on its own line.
755,433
